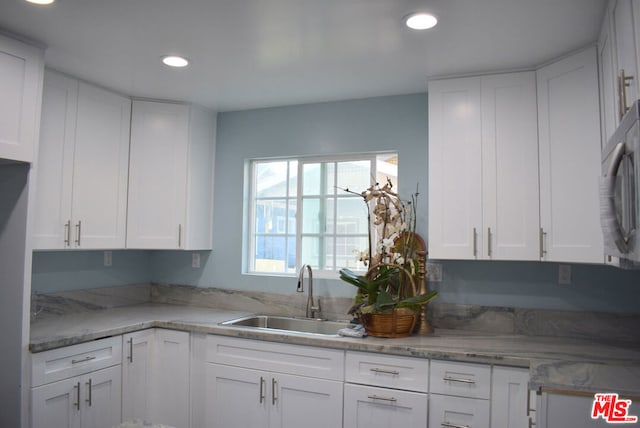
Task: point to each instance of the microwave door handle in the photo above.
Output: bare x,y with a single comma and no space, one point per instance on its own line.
616,160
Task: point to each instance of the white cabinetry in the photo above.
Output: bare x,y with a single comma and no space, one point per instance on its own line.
569,409
262,384
155,377
384,390
21,68
82,166
171,177
77,386
511,406
608,81
569,143
625,30
460,394
483,170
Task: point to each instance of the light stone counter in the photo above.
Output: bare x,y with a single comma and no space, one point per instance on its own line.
556,363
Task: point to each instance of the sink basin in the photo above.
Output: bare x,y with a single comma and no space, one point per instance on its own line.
289,324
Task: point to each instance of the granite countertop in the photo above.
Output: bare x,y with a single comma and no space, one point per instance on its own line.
554,363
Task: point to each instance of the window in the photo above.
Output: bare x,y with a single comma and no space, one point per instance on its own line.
301,213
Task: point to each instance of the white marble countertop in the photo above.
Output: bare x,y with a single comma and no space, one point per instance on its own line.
554,363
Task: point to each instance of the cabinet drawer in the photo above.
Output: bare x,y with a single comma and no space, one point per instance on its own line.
452,412
75,360
461,379
373,407
387,371
276,357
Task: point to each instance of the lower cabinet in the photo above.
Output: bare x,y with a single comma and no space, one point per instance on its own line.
261,384
374,407
78,386
573,409
511,402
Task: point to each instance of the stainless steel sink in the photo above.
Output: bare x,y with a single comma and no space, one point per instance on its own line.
289,324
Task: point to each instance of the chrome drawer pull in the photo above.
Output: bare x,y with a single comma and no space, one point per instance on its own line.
450,425
83,360
262,396
458,379
391,372
89,400
77,403
377,397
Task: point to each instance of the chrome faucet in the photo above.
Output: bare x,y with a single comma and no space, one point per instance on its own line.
311,309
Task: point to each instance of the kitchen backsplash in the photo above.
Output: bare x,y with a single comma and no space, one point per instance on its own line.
502,320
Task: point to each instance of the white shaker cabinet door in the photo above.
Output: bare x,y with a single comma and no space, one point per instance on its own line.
569,144
137,374
510,404
56,405
102,398
455,171
21,68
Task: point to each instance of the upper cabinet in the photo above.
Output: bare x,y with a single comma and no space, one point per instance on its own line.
82,168
483,169
171,176
619,62
569,142
21,68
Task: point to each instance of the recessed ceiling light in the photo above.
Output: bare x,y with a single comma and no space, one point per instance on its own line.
41,2
175,61
421,21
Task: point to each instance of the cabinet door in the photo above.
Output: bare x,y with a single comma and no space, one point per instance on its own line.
101,396
608,87
569,144
626,49
170,383
21,68
448,411
237,397
298,401
56,404
137,374
455,173
510,197
52,215
100,169
372,407
570,411
158,176
509,398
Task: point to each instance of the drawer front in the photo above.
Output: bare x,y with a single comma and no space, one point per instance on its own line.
457,412
302,360
461,379
387,371
75,360
374,407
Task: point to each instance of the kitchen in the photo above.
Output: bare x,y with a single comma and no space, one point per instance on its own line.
380,119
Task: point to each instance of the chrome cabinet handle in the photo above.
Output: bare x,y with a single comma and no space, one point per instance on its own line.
475,242
84,360
543,250
489,241
459,379
391,372
274,387
261,389
377,397
623,84
77,403
90,388
78,232
130,357
67,233
179,236
450,425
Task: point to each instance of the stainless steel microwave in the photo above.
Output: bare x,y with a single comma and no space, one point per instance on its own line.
620,192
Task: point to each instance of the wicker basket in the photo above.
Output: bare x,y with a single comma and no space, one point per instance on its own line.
399,323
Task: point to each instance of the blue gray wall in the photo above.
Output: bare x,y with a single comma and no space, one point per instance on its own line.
376,124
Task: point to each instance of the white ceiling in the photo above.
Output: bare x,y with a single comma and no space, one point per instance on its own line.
261,53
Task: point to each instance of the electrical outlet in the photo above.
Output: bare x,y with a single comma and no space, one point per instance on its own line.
564,274
108,258
434,272
195,260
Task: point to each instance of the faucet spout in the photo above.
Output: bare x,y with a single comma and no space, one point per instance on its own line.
311,308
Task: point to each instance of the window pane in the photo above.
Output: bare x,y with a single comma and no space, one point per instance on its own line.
293,178
271,179
271,216
311,178
310,251
347,249
352,216
293,207
291,254
269,255
312,216
387,167
330,178
354,175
